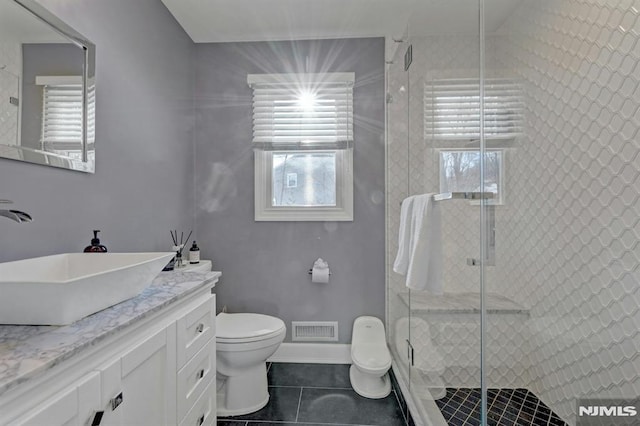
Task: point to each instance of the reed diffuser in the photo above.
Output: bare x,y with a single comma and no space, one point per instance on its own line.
178,246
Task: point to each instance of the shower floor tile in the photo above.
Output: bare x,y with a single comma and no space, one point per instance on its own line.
506,407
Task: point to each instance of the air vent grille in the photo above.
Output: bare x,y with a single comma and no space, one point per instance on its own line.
314,331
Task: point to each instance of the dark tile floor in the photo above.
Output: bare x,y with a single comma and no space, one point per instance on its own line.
506,407
318,394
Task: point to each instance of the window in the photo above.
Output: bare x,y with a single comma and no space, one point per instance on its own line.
304,179
452,116
460,172
303,143
62,115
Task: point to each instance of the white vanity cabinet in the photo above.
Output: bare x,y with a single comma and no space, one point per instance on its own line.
159,371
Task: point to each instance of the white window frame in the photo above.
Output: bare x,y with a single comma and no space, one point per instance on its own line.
264,148
266,211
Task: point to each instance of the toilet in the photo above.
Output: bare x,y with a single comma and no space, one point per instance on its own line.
244,341
371,358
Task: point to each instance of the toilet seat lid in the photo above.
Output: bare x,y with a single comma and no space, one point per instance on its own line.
244,326
373,356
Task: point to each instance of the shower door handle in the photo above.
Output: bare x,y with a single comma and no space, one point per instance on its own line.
489,240
490,237
410,352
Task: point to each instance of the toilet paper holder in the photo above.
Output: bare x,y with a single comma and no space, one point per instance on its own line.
311,271
320,264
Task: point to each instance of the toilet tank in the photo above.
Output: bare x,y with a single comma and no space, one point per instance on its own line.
368,332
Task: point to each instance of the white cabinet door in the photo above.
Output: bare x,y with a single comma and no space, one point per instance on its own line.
74,405
148,381
137,388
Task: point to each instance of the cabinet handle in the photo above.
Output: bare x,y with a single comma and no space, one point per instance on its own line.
201,374
201,420
200,328
116,401
97,418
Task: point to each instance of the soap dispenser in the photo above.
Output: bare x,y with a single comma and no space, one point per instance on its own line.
95,246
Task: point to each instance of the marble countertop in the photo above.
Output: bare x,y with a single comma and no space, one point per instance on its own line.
461,303
27,351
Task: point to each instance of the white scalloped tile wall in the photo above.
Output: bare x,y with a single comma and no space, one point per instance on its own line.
457,338
574,230
10,58
568,237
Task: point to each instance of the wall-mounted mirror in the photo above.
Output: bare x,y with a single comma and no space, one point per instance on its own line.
47,89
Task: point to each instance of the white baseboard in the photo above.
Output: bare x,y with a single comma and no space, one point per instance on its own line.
313,353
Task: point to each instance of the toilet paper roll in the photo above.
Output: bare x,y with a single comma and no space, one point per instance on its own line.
320,275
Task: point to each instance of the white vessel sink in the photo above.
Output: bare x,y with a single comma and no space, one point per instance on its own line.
61,289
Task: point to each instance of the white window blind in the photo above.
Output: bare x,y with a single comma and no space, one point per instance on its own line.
452,109
62,113
302,111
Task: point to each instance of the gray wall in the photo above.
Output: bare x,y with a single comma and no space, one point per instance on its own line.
47,60
265,264
143,184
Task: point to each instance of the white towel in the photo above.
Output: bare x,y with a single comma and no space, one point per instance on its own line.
425,258
401,264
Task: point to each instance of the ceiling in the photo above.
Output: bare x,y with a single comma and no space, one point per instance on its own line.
263,20
19,25
257,20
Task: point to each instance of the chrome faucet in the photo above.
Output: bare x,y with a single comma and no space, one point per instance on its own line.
15,215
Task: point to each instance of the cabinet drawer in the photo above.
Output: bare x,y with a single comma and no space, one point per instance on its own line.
195,329
194,377
203,412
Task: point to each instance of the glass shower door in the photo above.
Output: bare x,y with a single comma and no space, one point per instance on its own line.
445,159
398,312
445,156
